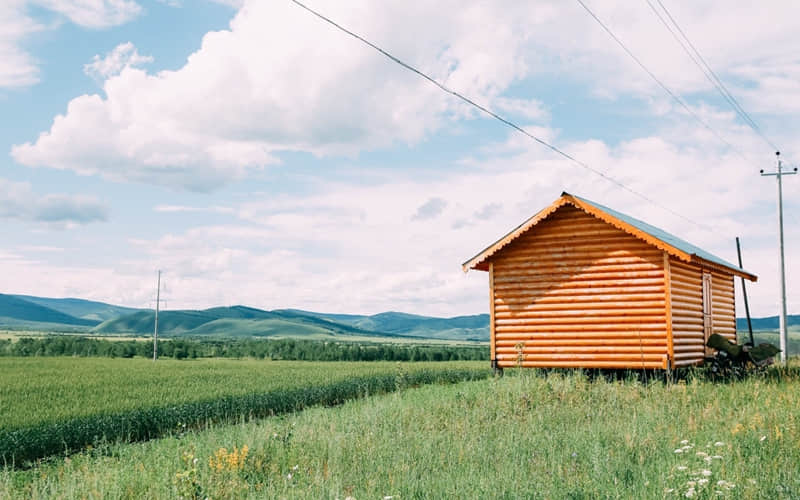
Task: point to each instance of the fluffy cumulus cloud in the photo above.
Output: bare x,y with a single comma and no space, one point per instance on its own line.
122,56
19,202
355,248
280,79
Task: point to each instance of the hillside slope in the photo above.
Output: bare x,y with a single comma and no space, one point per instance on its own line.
232,322
14,310
80,308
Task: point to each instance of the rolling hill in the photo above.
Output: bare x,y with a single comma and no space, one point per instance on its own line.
233,321
15,311
80,308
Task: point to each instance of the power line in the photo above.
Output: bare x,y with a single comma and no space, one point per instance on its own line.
505,121
709,73
660,83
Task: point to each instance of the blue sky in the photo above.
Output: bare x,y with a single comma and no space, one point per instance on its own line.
260,157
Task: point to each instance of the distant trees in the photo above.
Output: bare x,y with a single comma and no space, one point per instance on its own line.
287,349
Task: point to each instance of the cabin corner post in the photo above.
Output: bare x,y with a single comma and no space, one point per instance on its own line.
492,339
668,311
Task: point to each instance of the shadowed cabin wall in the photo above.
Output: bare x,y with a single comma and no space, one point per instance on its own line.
575,291
687,310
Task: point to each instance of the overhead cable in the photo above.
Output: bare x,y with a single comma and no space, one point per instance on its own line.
709,73
494,115
660,83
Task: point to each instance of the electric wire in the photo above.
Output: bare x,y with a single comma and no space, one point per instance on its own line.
709,73
660,83
505,121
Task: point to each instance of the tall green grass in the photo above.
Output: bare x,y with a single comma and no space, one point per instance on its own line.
557,436
55,406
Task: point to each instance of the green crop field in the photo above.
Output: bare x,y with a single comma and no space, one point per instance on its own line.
557,435
48,405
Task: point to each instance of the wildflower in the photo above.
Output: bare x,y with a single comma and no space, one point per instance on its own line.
706,472
701,454
669,490
689,493
717,457
682,468
295,467
719,443
690,484
289,475
708,460
762,438
687,447
702,482
685,441
679,450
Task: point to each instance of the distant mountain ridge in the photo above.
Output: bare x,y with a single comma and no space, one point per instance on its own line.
72,314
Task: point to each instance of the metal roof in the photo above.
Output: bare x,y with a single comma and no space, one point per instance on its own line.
671,243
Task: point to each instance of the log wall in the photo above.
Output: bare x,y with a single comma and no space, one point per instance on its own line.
578,292
688,333
688,339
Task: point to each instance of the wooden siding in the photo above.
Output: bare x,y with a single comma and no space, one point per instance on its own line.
686,283
577,292
688,333
723,305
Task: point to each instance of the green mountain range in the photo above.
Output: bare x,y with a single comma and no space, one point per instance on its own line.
50,314
78,315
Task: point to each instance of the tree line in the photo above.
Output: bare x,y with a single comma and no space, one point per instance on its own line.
286,349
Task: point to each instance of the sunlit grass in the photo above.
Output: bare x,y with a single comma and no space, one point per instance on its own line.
527,435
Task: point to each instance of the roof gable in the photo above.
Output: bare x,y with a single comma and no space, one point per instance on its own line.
659,238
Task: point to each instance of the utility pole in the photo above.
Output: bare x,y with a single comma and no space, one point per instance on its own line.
155,331
782,316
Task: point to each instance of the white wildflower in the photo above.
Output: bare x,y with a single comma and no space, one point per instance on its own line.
702,482
717,457
682,468
669,490
289,475
762,438
295,467
685,441
690,484
719,443
689,493
388,497
708,460
705,472
701,454
687,447
679,450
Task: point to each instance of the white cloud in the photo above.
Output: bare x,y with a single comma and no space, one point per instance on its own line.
19,202
281,80
18,68
122,56
93,13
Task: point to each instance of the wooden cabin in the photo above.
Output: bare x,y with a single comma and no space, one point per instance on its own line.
581,285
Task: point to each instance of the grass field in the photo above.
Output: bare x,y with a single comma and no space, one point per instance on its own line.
533,435
53,404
